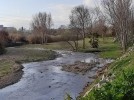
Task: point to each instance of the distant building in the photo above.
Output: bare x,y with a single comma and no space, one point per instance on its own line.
9,29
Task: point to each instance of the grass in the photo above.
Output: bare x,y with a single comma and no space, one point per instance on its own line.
123,83
107,48
31,55
125,62
5,67
110,49
19,55
51,46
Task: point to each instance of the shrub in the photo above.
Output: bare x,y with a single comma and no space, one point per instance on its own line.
94,40
57,38
2,49
34,39
17,37
3,37
94,43
122,88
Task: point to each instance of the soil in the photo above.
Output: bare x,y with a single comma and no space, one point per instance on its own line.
12,77
79,67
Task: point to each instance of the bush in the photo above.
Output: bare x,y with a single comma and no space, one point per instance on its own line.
34,39
57,38
94,43
122,88
2,49
17,37
3,37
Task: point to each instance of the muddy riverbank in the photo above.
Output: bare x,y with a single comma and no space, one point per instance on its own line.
12,77
79,67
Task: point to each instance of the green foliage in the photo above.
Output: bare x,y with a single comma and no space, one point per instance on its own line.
94,41
122,88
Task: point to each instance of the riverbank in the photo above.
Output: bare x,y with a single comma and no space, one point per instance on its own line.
118,76
30,53
10,63
46,80
79,67
107,48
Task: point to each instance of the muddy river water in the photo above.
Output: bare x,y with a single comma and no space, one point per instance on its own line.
46,81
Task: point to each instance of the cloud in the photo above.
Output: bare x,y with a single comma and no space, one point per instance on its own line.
60,14
88,2
15,21
91,3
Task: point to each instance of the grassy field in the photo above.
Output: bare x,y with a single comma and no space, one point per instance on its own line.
108,48
19,55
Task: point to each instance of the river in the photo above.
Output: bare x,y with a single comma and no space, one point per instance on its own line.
46,81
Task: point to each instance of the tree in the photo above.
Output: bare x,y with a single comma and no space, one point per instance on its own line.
42,23
120,14
100,27
80,21
3,41
4,37
70,37
95,18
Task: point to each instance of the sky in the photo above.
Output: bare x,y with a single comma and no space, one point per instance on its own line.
19,13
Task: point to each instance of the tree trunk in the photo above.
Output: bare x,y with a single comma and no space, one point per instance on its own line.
124,40
71,45
83,43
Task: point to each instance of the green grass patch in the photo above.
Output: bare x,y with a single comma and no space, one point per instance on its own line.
122,86
5,67
107,48
110,49
19,55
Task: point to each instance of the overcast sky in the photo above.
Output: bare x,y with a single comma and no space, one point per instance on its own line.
18,13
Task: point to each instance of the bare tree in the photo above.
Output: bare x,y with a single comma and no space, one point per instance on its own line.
80,21
100,27
95,17
42,23
69,37
120,14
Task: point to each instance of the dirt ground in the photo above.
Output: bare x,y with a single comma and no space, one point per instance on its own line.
79,67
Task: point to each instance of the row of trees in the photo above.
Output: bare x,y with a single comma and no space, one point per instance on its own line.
42,24
85,22
82,22
121,16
